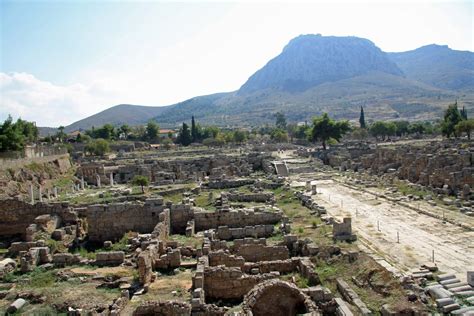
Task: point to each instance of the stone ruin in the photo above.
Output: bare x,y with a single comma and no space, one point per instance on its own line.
438,164
247,255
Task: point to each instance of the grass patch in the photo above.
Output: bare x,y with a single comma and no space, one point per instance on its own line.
407,189
195,242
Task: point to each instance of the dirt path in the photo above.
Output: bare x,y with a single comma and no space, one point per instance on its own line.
377,221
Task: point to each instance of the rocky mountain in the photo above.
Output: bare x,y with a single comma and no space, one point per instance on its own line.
316,74
310,60
438,66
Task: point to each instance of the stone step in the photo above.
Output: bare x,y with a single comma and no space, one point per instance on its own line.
461,288
450,281
444,301
464,311
455,285
446,276
465,293
450,308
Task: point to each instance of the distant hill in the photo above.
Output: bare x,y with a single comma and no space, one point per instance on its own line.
117,115
316,74
438,66
309,60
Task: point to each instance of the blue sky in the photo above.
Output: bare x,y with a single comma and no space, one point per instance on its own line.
63,60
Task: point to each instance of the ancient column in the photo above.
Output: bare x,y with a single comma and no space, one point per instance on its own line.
55,192
40,194
32,194
48,194
82,183
111,179
98,180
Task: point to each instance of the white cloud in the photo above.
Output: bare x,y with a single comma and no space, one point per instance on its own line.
23,95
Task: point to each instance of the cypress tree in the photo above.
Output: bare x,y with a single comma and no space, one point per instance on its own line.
194,135
464,113
362,118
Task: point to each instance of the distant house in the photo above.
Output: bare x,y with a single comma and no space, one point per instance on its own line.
165,132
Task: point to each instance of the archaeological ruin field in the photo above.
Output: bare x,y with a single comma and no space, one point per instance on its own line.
275,229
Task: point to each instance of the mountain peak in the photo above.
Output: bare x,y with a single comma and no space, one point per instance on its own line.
312,59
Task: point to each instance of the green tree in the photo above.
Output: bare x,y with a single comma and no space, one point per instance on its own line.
141,181
382,129
125,130
324,128
98,147
184,135
401,127
280,120
210,132
451,118
60,134
465,126
239,136
417,128
278,135
11,137
362,118
152,131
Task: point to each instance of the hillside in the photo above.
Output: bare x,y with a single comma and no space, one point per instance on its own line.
383,96
438,66
316,74
117,115
309,60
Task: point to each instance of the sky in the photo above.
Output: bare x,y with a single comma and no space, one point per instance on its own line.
61,61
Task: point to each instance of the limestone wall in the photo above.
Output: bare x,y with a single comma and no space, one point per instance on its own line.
233,219
256,252
230,283
16,215
112,221
259,231
217,258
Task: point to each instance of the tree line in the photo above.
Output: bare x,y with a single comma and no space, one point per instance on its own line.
16,135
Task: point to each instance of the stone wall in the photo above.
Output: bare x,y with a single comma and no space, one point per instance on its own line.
250,197
255,252
230,283
217,258
180,215
169,308
16,215
343,230
282,266
112,221
433,165
259,231
233,219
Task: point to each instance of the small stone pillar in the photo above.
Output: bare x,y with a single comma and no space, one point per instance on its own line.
40,194
32,194
111,179
98,180
313,189
55,192
308,185
48,194
466,192
82,183
470,278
